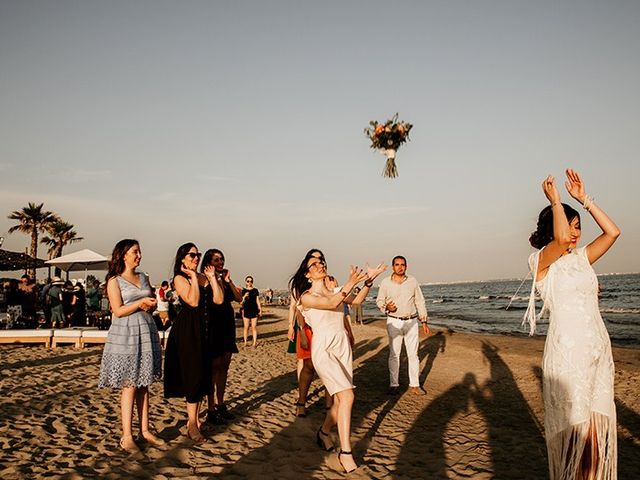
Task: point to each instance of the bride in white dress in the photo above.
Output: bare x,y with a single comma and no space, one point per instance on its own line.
578,370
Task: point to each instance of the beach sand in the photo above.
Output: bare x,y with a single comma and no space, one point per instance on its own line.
481,418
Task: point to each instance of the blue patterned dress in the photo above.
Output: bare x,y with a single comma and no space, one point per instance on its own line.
132,355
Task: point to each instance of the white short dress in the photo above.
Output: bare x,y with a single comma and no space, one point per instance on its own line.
330,348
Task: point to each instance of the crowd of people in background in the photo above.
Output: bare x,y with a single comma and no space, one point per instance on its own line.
56,303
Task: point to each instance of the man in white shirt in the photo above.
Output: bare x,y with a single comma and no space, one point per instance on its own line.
401,300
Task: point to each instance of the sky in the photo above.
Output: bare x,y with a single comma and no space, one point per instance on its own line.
239,126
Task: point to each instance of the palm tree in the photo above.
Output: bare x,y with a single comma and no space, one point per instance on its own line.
61,234
32,220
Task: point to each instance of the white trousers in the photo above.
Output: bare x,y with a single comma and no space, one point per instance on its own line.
407,330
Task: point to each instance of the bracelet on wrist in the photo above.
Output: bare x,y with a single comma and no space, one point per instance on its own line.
587,203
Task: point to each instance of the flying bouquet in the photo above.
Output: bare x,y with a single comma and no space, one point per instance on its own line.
387,137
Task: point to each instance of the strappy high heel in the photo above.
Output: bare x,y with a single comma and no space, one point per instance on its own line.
321,443
301,410
342,464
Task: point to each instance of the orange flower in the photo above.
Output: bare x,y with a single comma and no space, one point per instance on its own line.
379,129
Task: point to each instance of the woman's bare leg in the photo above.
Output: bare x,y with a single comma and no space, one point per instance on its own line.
245,332
305,378
254,330
126,408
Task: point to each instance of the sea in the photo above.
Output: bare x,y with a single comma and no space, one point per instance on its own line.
497,306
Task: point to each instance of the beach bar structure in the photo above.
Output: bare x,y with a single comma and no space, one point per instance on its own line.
52,337
11,261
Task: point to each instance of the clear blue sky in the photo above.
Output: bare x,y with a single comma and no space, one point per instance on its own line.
238,125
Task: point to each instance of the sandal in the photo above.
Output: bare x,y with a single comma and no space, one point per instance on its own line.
321,442
342,464
198,439
151,439
301,410
131,449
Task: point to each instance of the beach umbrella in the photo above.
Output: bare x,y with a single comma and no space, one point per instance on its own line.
81,260
10,261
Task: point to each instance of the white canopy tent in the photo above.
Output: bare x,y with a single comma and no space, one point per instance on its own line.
81,260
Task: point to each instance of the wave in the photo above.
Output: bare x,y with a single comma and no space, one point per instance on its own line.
620,310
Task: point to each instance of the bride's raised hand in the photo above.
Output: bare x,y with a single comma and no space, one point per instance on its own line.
574,185
356,275
372,273
550,190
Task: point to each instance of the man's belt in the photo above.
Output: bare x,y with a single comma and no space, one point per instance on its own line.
409,317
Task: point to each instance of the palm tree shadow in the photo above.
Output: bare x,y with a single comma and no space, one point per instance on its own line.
514,432
423,453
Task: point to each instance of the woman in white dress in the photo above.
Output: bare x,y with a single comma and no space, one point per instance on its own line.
331,346
578,370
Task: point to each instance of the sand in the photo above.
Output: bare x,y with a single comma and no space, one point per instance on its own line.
481,418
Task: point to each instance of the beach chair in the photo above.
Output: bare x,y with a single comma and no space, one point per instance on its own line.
93,336
27,336
66,336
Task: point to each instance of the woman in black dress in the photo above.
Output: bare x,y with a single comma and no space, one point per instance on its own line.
79,307
221,337
251,309
186,365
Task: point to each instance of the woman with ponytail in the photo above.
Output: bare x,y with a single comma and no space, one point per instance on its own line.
132,358
578,370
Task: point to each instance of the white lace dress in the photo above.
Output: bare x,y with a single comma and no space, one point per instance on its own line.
578,370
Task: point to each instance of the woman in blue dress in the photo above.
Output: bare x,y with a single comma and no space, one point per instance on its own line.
132,358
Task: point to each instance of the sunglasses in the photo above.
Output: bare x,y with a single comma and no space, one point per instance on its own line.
315,264
194,255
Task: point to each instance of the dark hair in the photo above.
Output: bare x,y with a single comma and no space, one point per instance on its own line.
310,253
164,283
544,229
248,277
116,264
299,283
398,257
208,255
180,254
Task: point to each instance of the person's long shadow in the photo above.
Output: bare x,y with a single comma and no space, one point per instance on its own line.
299,435
627,448
429,350
514,432
423,453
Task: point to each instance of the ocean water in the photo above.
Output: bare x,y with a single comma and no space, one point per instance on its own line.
482,307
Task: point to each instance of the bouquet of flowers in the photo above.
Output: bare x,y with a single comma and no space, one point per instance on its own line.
387,137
